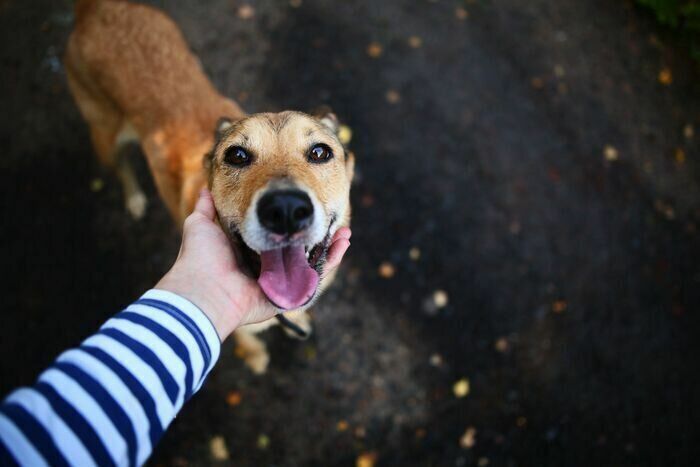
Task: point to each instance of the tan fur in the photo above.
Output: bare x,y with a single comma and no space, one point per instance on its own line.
134,79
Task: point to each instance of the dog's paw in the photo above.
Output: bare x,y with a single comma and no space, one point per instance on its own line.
257,362
136,204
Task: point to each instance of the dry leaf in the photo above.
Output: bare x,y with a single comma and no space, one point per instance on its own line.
246,12
559,306
386,270
468,439
344,134
440,298
415,42
96,184
342,425
366,459
375,50
501,344
688,131
263,441
665,76
393,96
461,388
461,13
610,153
217,448
234,398
679,155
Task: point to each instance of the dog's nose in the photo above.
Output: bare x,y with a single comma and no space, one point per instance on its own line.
285,211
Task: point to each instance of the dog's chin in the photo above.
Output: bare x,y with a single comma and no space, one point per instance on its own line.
288,272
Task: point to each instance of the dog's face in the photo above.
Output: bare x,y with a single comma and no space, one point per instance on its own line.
281,186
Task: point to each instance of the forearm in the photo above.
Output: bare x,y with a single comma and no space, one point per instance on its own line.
109,401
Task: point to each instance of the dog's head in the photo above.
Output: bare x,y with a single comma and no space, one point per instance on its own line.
281,186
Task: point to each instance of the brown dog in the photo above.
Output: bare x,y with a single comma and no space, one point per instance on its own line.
280,181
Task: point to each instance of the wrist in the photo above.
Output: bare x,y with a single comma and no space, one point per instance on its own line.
211,299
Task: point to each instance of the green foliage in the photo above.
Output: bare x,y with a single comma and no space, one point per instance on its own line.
682,15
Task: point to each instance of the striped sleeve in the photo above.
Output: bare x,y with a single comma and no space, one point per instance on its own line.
109,401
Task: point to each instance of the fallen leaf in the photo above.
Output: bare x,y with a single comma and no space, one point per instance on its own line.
217,448
610,153
440,298
344,134
342,425
374,50
436,359
559,306
461,13
246,12
468,439
392,96
665,76
501,344
679,155
234,398
366,459
688,131
386,270
461,388
96,184
415,42
263,441
414,253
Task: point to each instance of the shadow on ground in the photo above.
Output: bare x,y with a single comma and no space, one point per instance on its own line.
571,278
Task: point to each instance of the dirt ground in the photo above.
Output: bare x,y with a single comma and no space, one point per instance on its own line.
542,157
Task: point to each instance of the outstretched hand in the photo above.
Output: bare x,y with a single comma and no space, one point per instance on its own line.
206,273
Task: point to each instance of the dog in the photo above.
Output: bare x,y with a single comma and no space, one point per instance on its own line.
280,181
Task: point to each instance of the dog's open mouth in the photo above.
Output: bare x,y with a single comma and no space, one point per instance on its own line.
288,276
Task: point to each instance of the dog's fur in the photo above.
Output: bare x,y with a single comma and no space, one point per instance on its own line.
134,79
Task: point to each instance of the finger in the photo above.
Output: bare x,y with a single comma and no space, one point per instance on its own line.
336,253
205,205
343,232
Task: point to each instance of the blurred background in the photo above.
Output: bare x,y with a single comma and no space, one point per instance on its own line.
524,279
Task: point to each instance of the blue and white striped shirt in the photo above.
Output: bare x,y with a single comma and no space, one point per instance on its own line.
109,401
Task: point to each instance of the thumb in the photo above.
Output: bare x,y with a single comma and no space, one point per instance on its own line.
205,205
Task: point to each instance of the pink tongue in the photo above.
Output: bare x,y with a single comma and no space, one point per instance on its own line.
286,277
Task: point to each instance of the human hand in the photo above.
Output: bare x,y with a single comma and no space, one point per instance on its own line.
206,273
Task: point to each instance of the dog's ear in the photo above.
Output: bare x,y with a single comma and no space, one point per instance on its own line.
327,118
223,124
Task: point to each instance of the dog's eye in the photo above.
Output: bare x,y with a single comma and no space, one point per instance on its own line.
236,155
320,153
